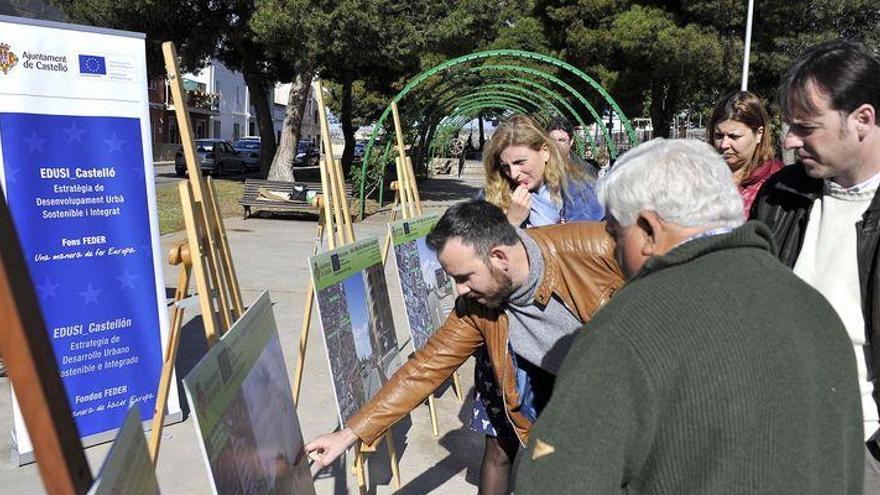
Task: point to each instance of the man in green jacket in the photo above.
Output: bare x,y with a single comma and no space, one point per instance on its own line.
714,369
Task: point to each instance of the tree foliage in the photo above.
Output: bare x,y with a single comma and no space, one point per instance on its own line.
660,58
201,30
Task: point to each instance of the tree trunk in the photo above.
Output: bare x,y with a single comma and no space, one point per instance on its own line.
664,98
282,163
347,125
257,87
788,157
482,133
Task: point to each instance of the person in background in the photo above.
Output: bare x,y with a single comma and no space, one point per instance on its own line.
562,133
740,130
714,370
824,211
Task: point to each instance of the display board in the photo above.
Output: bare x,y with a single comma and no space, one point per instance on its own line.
127,468
76,170
357,322
428,294
243,408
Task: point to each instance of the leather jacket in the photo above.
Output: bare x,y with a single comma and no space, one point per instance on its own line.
784,204
579,269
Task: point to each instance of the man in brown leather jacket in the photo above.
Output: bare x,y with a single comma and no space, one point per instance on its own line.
522,294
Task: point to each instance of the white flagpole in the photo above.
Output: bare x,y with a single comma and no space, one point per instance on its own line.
748,47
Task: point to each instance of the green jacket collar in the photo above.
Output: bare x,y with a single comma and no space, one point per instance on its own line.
751,234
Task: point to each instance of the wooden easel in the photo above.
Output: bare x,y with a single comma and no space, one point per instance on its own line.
33,370
406,193
337,223
206,251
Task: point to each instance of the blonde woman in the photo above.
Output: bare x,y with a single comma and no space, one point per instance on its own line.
535,185
532,181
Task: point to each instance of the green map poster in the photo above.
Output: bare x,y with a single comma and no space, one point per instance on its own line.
357,323
127,468
427,291
243,407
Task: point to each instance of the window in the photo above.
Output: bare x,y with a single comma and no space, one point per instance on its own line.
236,131
217,129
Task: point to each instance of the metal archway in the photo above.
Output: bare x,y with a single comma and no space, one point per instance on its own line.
559,100
419,79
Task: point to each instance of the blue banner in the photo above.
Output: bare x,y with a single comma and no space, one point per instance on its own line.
75,187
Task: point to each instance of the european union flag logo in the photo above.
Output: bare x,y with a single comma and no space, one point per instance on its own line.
92,64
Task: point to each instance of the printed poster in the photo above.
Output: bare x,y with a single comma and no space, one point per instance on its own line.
357,322
127,468
242,404
428,294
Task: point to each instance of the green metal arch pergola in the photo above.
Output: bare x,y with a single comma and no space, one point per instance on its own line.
421,78
509,95
545,100
553,79
568,88
562,104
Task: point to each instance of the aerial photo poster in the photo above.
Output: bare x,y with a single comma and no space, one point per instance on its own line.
428,294
243,407
128,468
357,322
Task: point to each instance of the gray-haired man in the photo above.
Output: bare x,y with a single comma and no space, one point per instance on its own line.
714,369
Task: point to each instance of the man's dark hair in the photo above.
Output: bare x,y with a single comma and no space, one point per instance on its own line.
843,70
478,223
558,124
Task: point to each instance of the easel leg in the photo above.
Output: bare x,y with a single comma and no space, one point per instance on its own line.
392,458
359,470
303,342
456,387
388,235
168,364
307,320
432,409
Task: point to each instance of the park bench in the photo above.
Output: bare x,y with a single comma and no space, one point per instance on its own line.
442,166
276,196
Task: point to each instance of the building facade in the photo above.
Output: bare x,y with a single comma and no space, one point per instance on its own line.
219,104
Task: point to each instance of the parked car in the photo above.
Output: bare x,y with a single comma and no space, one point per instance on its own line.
360,147
307,154
249,150
216,157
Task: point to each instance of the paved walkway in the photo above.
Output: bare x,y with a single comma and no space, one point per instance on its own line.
272,254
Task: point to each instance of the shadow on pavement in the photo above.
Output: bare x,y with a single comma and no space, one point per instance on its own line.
193,345
456,442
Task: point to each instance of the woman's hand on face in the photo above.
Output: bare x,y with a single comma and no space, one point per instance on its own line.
520,206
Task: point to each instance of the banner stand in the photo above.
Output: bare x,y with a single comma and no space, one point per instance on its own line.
76,166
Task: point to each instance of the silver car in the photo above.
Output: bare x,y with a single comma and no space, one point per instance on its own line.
249,150
216,157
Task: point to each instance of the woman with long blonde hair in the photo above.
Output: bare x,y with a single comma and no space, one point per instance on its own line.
532,181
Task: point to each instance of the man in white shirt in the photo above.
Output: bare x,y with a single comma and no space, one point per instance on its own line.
824,211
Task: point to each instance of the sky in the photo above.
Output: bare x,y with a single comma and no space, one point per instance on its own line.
429,262
356,298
